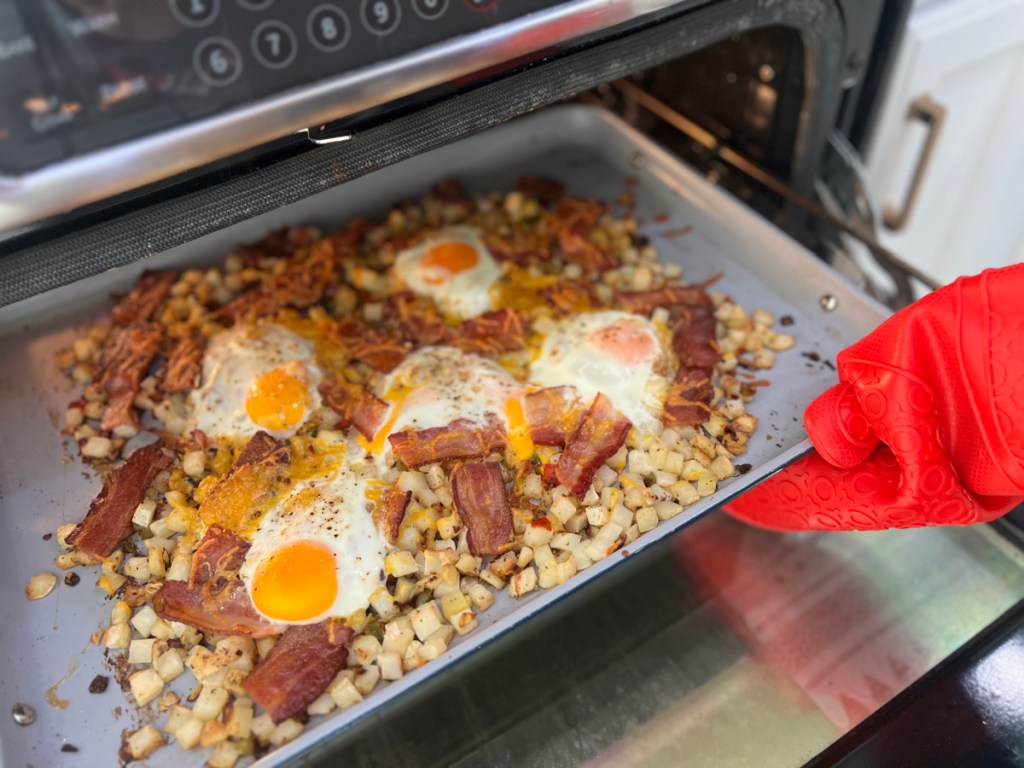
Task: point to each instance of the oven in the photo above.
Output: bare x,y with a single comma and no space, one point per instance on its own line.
161,133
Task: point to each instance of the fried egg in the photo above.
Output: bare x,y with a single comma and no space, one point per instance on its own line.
435,386
318,552
454,268
616,353
256,377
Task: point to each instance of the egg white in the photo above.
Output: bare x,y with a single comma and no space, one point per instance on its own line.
578,354
233,361
461,295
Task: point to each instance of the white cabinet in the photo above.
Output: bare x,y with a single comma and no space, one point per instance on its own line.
967,56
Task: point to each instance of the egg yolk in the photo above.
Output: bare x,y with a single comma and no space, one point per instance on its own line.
624,342
445,259
295,583
277,400
518,429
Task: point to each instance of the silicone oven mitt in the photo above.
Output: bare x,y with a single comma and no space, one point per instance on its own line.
926,424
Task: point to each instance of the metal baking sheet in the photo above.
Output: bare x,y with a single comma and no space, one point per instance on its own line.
45,644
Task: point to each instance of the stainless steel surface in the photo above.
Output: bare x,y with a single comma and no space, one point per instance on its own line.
748,167
687,219
933,115
73,183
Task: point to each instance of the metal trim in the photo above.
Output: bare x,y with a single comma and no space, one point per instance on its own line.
99,175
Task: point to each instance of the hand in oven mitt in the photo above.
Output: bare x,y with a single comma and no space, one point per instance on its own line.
926,425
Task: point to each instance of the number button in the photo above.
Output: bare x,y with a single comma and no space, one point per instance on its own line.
481,5
430,9
328,28
380,17
195,13
217,61
274,44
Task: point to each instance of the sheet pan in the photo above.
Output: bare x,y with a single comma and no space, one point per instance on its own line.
43,485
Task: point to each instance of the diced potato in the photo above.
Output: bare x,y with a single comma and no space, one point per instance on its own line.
141,651
117,636
239,722
464,621
647,518
285,731
525,557
97,447
188,734
598,515
384,604
448,526
145,685
397,635
523,582
236,652
167,701
565,570
162,630
666,510
144,513
577,523
111,583
425,619
565,540
169,664
453,603
176,718
413,659
706,486
344,693
468,565
722,468
144,620
364,650
563,508
194,463
40,585
322,705
622,517
210,703
400,563
684,492
261,727
144,742
224,755
538,533
390,665
481,596
213,732
137,568
492,578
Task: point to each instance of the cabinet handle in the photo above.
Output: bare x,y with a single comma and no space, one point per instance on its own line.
933,115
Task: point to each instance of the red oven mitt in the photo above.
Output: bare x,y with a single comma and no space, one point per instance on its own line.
926,425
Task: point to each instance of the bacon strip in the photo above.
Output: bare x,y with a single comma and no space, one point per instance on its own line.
214,600
392,511
123,363
689,398
279,244
570,297
110,515
462,439
299,668
493,333
601,433
356,406
670,297
694,338
261,447
416,318
547,191
145,298
523,247
478,489
552,415
368,345
571,222
184,367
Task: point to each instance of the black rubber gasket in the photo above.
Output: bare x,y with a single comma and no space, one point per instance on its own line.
157,228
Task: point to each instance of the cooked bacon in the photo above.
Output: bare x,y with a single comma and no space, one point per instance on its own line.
478,489
184,366
601,433
280,244
392,511
547,191
570,297
368,345
123,363
214,600
552,415
694,338
260,448
689,398
110,515
462,439
571,223
671,297
416,318
143,301
355,405
492,333
523,247
299,668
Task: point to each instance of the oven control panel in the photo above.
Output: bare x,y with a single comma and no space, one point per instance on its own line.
82,75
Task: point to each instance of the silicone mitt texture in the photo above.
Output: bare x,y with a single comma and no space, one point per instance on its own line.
926,425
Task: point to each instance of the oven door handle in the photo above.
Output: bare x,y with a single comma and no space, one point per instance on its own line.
933,115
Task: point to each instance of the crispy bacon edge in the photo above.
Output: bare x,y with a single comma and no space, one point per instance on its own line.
145,298
184,366
599,435
478,489
416,318
571,223
214,600
689,398
492,333
355,405
369,345
299,668
462,439
110,515
551,414
669,297
123,363
393,504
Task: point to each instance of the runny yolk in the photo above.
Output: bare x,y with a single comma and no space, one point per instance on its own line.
624,342
277,400
446,259
518,429
296,582
395,397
